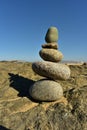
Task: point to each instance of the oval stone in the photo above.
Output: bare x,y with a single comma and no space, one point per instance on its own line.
51,70
51,35
46,90
51,55
50,45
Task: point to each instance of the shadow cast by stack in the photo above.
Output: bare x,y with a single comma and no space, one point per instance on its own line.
3,128
21,84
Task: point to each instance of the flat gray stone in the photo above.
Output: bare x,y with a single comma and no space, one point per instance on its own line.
51,35
53,45
46,90
51,55
51,70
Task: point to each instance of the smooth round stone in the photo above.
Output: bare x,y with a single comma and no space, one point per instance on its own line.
46,90
51,70
51,35
51,55
50,45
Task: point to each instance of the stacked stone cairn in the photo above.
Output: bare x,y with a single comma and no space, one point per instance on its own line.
48,89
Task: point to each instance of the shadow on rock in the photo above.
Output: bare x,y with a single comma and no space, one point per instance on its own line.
3,128
21,84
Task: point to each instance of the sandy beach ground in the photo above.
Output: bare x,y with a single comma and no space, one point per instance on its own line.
19,112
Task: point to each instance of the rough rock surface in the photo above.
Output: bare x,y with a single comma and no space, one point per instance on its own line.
19,112
50,45
51,35
51,55
46,90
51,70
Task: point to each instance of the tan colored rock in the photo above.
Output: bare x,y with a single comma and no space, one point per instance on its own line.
50,45
46,90
51,70
51,55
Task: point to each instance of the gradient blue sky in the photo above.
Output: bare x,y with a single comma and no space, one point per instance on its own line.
23,25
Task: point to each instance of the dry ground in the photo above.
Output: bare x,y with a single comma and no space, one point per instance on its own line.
19,112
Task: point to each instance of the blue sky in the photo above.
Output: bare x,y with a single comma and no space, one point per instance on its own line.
23,25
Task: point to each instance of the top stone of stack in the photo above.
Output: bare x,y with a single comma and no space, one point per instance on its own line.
49,50
51,35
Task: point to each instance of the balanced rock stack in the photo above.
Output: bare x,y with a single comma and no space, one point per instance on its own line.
49,89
